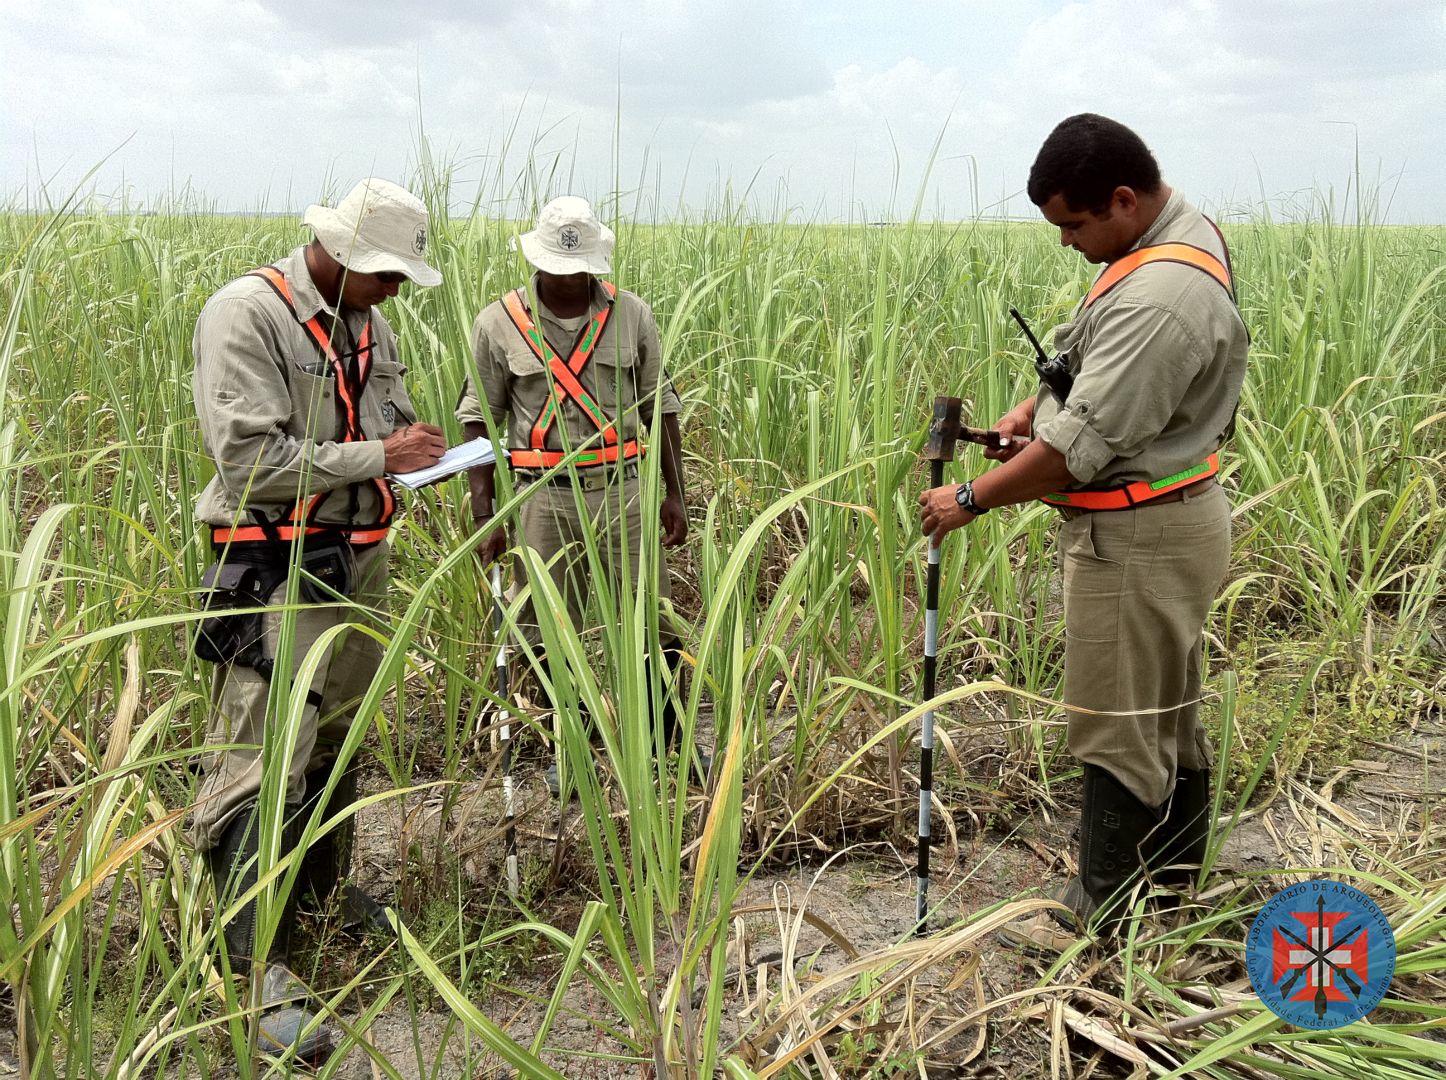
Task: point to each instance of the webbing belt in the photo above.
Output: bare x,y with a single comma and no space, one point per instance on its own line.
546,459
301,518
1136,494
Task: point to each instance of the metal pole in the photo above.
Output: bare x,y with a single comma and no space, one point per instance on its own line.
509,807
944,430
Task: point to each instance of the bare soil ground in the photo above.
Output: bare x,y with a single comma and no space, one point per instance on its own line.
857,901
865,896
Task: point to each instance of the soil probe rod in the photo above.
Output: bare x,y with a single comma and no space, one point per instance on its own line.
509,807
944,431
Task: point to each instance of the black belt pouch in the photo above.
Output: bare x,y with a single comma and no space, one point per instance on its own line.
228,634
329,572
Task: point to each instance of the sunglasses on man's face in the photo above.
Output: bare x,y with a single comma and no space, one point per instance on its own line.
390,277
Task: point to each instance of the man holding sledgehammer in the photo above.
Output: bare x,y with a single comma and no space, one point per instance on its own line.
1126,432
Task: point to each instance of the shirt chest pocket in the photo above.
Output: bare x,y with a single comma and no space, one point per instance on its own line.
613,375
385,404
523,364
313,401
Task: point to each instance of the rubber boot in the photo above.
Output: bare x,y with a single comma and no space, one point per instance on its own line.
1185,834
1115,831
327,862
285,1012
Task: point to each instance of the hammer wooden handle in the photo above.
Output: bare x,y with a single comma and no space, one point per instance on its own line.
994,439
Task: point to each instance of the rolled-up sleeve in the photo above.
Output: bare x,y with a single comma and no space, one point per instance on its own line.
1137,366
652,375
243,403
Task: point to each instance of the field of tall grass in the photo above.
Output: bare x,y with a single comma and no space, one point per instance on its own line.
807,357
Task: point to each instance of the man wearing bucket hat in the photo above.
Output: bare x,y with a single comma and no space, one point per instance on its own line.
571,368
298,388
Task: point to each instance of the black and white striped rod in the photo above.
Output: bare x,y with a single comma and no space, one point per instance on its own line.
926,737
509,806
944,431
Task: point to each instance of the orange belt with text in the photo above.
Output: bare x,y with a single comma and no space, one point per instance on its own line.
1122,498
1142,491
565,386
301,518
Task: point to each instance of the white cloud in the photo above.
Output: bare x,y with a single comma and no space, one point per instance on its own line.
843,101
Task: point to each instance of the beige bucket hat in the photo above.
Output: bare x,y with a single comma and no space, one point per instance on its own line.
568,239
378,227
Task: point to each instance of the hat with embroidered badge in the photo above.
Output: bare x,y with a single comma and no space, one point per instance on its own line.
378,227
568,239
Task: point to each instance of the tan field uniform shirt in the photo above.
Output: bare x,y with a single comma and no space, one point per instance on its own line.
270,415
1158,364
625,375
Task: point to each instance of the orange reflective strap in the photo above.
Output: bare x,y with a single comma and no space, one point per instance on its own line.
368,536
389,501
246,533
301,512
350,391
287,533
1122,498
345,388
566,384
313,325
603,455
1122,268
1136,494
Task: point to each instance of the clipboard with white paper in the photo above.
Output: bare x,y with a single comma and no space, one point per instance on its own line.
467,455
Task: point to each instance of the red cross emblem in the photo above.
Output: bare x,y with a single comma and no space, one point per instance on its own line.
1325,961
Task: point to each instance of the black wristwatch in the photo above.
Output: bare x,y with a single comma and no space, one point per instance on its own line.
964,496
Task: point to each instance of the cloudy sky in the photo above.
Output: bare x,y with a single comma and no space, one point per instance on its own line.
829,110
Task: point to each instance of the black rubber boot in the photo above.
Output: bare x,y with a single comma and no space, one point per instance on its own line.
1115,837
285,1011
328,861
1185,834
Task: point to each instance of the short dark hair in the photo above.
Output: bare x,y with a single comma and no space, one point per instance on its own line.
1085,158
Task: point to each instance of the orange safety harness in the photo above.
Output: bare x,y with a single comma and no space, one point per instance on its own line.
350,385
1188,254
1123,498
566,385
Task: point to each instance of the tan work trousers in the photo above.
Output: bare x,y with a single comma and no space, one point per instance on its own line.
1138,585
232,778
550,523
